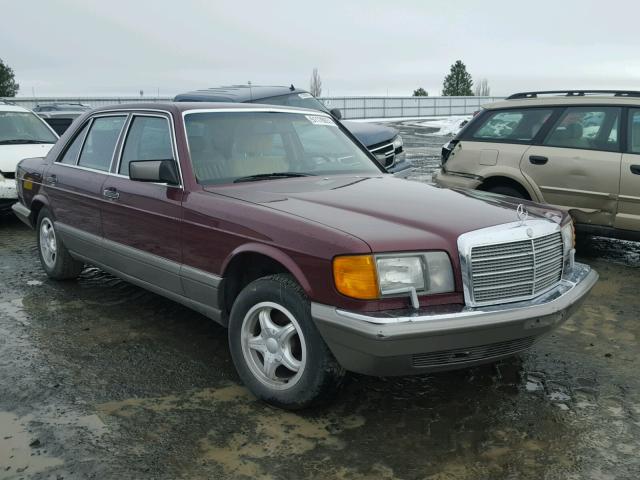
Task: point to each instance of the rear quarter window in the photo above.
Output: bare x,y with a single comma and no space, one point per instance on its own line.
511,125
99,146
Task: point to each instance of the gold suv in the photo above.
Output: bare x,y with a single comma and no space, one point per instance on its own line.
578,150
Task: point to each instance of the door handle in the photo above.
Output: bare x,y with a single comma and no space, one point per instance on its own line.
51,180
111,193
635,169
538,160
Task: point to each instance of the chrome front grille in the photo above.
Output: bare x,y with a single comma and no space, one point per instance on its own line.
387,149
515,270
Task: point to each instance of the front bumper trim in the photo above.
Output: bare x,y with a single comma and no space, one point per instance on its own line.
385,343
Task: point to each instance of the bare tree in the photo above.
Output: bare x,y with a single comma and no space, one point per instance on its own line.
482,88
316,84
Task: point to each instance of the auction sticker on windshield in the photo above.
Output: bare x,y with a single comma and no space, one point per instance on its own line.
320,120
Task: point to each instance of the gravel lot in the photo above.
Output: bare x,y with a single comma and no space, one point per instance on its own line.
100,379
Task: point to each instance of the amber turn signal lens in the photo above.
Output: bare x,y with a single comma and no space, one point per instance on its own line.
355,276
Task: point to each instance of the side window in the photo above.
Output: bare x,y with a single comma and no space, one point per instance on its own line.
512,125
148,139
634,130
101,142
70,157
587,128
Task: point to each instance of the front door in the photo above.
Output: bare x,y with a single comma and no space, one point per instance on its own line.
141,221
577,166
628,217
74,184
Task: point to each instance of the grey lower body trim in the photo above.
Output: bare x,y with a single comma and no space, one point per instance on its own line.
23,213
436,339
202,287
191,287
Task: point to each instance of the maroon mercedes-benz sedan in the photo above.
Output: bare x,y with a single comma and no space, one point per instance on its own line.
275,223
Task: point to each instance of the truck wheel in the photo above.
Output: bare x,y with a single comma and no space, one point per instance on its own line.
54,257
508,191
277,349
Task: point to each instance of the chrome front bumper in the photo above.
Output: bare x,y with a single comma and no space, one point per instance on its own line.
450,336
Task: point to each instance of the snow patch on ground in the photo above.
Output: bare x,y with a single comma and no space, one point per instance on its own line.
438,126
445,126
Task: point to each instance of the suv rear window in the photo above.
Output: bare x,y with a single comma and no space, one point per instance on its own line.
586,128
512,125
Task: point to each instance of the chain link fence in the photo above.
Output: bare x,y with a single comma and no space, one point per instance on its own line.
351,107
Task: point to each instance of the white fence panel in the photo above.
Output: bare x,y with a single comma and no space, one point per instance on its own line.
351,107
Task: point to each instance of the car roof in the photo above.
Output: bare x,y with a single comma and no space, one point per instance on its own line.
563,101
7,107
236,93
179,107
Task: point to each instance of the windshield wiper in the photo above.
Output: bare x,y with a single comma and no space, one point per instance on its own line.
267,176
22,141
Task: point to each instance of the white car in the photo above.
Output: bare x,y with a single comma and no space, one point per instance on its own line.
22,135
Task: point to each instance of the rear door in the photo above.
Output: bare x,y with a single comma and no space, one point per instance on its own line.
74,183
628,216
499,137
141,221
577,164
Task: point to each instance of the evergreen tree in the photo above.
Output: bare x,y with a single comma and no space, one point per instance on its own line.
8,85
458,82
420,92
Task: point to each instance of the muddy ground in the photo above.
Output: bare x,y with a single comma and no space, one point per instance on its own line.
100,379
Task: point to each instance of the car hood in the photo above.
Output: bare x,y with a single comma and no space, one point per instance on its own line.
387,213
10,155
370,133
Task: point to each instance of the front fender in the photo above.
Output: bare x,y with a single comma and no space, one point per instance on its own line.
275,254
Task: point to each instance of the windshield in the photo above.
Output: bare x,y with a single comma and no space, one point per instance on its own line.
227,146
23,127
300,100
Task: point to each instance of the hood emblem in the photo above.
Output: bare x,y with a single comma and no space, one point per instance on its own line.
522,213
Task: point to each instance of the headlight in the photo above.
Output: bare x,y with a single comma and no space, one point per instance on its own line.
397,142
396,273
428,273
569,242
367,277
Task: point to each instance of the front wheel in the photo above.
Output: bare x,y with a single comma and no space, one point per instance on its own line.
277,349
54,257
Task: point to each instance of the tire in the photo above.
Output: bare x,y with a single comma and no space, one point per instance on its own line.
267,362
54,257
508,191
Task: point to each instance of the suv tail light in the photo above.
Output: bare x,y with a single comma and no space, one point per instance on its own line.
447,149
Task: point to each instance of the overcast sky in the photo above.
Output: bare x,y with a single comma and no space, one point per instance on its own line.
116,47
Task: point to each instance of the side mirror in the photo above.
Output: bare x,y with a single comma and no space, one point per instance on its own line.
337,114
161,171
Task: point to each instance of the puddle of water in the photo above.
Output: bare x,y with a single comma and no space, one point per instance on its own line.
17,457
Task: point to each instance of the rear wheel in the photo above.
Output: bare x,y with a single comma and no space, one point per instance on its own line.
277,349
54,257
508,191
